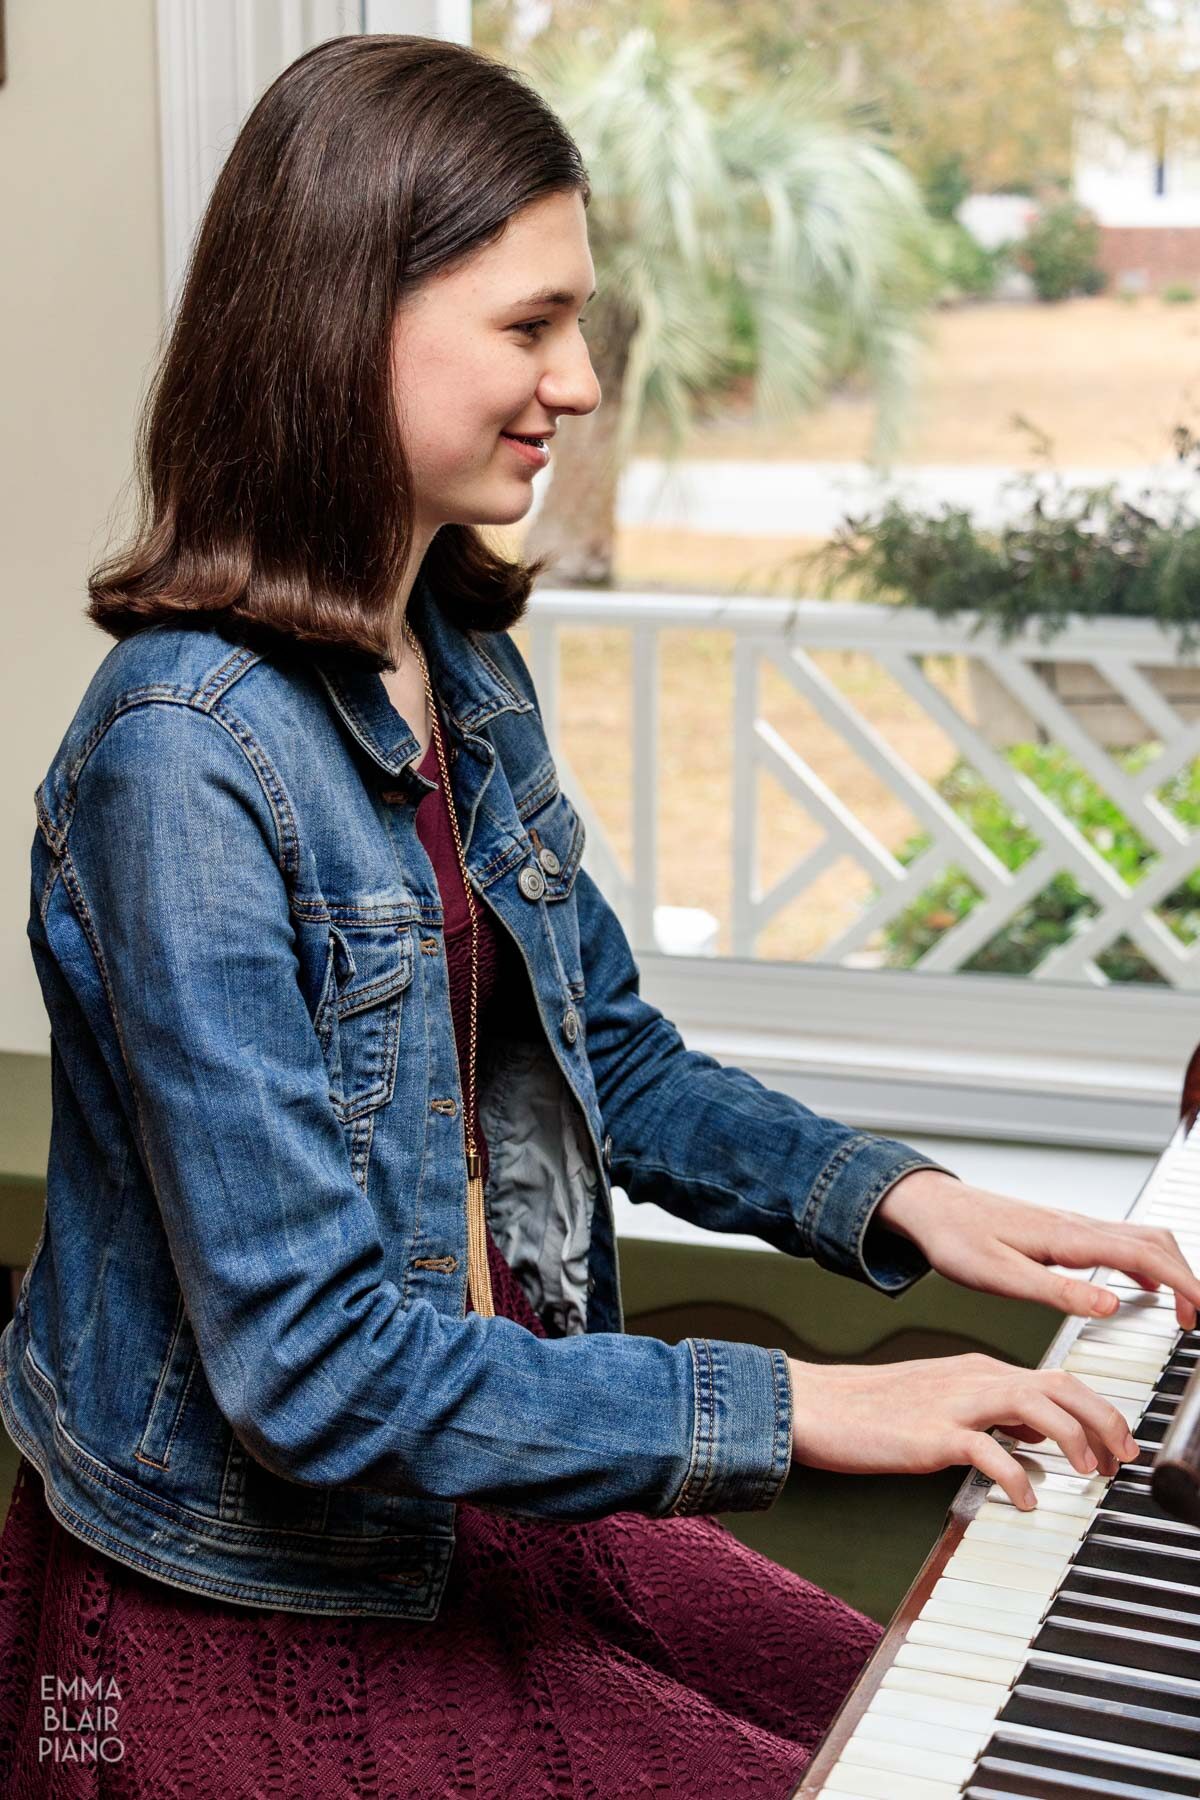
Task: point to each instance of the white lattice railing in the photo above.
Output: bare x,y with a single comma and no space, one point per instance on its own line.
1139,689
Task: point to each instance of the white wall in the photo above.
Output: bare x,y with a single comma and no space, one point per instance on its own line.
80,316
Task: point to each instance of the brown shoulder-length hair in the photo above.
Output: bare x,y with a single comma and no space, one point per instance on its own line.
276,496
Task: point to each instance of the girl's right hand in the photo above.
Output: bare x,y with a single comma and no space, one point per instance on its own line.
910,1418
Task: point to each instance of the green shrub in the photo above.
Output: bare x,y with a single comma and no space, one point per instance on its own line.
964,268
1178,293
1060,251
1063,907
1076,552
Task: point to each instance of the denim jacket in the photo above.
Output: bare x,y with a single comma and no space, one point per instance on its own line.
240,1358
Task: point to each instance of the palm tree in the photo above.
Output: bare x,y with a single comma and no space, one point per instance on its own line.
714,196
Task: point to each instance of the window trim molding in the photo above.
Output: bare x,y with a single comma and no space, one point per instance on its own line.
965,1055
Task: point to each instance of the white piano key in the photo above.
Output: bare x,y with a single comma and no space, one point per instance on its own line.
1010,1577
1013,1556
1114,1359
942,1610
996,1600
1160,1337
1007,1518
939,1685
891,1702
985,1528
967,1665
982,1637
858,1783
1117,1388
867,1751
922,1732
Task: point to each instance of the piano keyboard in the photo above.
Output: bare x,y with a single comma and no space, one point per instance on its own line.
1058,1651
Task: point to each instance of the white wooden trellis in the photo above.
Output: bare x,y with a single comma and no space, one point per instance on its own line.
784,635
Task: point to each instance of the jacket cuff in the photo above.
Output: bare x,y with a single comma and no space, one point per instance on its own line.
742,1432
839,1221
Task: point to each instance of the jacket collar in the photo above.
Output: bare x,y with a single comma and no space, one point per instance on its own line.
469,686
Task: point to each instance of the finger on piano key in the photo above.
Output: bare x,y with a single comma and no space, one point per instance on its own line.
1073,1494
1136,1300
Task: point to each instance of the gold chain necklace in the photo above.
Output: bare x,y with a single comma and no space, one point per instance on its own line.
479,1284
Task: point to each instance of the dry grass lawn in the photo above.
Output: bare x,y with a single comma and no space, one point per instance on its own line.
1105,379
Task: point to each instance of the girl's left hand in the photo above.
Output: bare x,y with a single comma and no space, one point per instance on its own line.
1001,1246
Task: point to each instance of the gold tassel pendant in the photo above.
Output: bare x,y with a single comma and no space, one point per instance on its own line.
479,1280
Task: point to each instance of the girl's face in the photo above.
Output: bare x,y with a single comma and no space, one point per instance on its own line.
487,349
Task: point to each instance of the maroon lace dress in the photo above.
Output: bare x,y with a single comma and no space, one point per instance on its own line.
625,1658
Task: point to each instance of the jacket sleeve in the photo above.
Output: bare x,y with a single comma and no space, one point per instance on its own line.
174,859
711,1143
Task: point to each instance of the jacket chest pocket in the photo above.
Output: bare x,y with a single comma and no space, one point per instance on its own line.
359,1019
556,833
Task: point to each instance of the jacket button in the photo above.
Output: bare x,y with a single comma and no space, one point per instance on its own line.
531,882
607,1152
548,860
570,1025
591,1284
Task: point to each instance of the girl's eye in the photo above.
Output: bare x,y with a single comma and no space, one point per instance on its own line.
532,326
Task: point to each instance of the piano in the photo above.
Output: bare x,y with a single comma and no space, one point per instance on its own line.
1056,1653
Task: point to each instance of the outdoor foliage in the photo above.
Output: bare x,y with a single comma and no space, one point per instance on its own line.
1079,552
965,268
1060,251
1063,907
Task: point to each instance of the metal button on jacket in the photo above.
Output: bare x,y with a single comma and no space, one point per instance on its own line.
532,883
570,1025
548,860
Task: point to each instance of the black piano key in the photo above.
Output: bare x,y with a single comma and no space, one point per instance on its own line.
1141,1555
1103,1609
1133,1499
1117,1642
1143,1588
1076,1784
1120,1722
1023,1778
1150,1431
1124,1688
1110,1763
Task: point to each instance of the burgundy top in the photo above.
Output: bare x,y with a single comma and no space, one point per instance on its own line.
437,835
